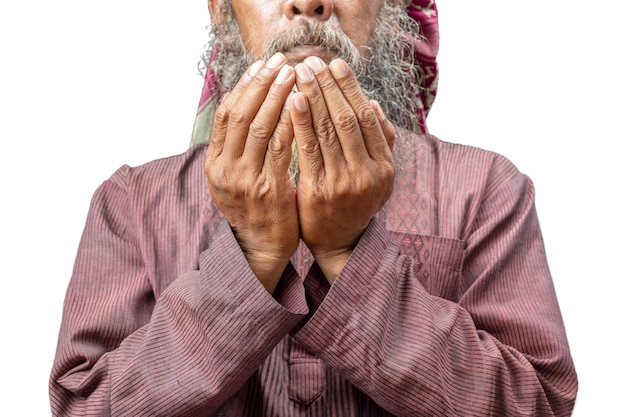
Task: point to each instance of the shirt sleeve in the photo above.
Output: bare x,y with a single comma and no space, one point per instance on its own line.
121,352
499,348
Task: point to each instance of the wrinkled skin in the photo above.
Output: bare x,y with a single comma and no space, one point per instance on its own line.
344,147
346,166
344,152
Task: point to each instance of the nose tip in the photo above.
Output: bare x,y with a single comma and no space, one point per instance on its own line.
317,9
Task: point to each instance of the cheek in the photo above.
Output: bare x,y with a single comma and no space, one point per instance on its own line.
256,36
359,32
360,22
257,42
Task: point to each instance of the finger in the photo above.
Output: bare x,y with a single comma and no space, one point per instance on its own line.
243,83
309,154
343,118
220,119
278,157
387,127
321,121
368,121
244,107
265,123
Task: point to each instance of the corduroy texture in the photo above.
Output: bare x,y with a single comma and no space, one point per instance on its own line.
446,307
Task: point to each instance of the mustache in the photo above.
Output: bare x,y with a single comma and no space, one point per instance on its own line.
321,34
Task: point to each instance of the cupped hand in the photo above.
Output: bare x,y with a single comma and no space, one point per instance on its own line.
345,156
247,164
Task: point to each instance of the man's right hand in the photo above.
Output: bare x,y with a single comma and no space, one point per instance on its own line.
247,168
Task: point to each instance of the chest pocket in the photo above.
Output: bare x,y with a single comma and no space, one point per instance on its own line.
437,262
307,374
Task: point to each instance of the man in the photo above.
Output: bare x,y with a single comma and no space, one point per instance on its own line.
368,270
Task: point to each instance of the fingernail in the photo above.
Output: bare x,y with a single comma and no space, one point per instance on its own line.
275,61
284,74
338,68
303,73
254,69
315,63
299,101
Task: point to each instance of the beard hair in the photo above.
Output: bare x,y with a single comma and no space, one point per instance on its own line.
386,72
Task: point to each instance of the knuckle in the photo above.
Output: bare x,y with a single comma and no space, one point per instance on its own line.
238,115
276,147
284,127
345,120
325,131
221,115
366,116
218,177
309,148
216,143
263,190
259,132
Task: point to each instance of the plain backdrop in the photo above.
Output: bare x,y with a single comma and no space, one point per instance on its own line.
88,86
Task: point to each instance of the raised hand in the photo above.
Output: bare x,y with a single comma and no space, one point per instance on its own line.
247,167
345,156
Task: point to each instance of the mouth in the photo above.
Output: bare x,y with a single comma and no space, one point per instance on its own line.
300,52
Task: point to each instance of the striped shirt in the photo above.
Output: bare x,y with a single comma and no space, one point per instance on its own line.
445,308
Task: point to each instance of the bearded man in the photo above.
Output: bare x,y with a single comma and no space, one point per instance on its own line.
316,252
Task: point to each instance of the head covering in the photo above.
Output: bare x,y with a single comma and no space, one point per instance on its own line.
426,45
426,48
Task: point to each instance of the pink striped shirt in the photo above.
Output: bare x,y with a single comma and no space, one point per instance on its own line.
445,308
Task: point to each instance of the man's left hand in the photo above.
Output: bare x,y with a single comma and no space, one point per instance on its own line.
345,155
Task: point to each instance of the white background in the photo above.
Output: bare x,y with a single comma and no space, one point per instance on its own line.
88,86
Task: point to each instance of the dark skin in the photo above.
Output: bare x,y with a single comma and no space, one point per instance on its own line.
346,166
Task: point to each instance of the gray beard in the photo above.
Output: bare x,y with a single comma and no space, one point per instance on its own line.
386,72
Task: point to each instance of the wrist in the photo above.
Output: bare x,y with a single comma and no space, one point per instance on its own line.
332,263
268,269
